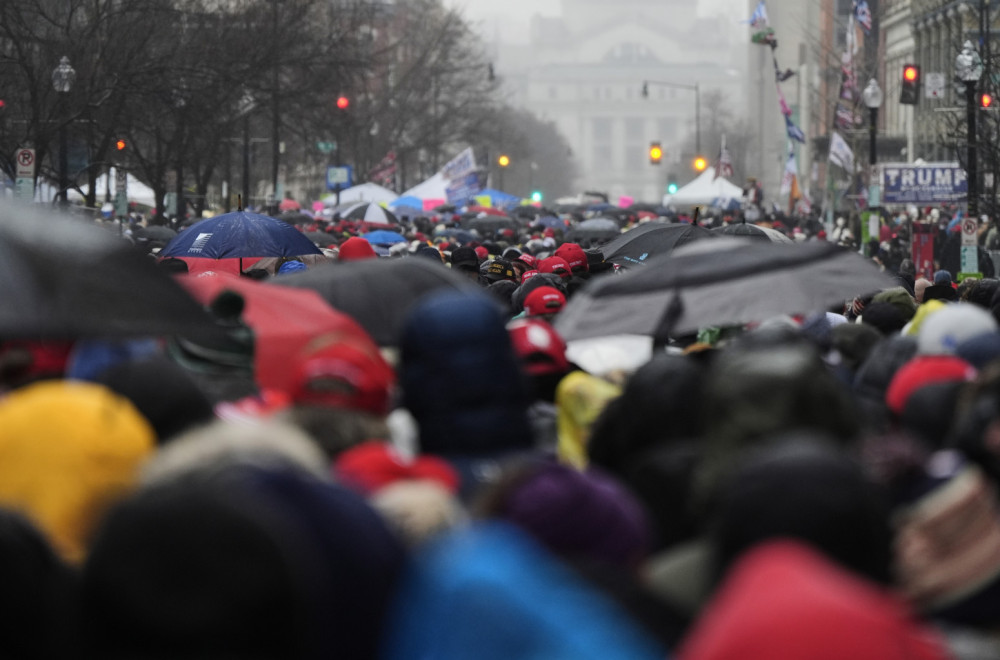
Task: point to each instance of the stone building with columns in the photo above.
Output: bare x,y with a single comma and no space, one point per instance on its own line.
940,27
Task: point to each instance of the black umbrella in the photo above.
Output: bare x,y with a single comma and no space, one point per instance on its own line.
320,238
370,212
378,293
594,230
296,218
487,224
722,282
753,232
69,279
154,233
651,239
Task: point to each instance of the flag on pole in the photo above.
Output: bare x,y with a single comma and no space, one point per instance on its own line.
863,15
788,177
760,31
840,153
794,132
724,166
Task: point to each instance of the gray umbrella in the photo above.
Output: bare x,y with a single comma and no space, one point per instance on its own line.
726,281
752,231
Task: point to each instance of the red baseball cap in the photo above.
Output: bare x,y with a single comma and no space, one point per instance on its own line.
482,252
528,274
544,300
539,347
355,249
555,265
530,260
346,372
574,256
371,466
925,370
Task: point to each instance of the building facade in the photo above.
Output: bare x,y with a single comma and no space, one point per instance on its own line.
585,71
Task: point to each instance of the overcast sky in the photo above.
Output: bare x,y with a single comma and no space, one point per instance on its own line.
512,17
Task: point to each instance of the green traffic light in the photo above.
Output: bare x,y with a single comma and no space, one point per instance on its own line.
672,188
536,196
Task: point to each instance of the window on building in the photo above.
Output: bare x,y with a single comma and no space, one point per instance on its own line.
635,129
600,128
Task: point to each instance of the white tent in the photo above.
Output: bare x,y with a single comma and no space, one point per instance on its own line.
365,192
432,188
706,189
137,190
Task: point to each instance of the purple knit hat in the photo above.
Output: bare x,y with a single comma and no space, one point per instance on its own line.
584,516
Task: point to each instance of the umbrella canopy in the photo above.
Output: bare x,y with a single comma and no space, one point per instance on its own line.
370,213
289,205
595,229
154,233
238,235
489,224
458,235
407,201
378,293
284,320
296,218
722,282
487,210
550,221
651,239
383,237
71,279
753,232
320,238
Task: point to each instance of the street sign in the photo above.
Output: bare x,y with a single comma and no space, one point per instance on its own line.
969,238
338,177
934,85
25,163
970,260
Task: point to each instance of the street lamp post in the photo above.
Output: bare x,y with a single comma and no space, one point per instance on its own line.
968,69
62,81
872,96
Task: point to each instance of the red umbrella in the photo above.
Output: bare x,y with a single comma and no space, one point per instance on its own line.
289,205
284,320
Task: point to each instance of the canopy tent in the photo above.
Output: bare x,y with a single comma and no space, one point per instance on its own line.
138,191
365,192
705,189
433,188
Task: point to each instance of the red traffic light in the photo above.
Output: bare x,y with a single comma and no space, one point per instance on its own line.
910,73
120,145
985,100
343,102
3,104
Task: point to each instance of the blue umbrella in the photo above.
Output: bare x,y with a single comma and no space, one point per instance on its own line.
384,237
550,221
240,234
408,201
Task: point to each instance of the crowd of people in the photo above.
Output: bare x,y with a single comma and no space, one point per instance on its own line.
814,486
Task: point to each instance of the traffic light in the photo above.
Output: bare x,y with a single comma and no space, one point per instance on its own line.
536,196
120,144
700,164
655,153
343,102
672,185
909,91
985,100
503,160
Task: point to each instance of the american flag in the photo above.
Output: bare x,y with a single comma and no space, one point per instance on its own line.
724,166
